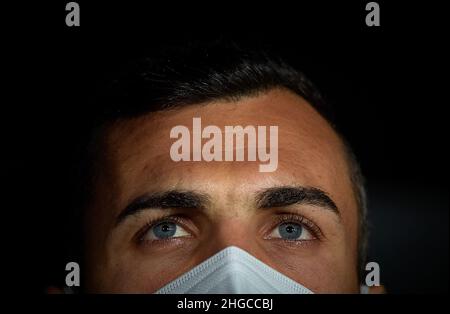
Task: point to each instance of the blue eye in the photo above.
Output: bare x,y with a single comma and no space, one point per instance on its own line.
291,231
165,230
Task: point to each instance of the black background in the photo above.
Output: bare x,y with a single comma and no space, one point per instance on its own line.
383,81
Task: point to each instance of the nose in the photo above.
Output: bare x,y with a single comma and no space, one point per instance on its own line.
233,232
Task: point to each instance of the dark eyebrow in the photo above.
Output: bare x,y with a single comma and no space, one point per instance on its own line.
169,199
289,195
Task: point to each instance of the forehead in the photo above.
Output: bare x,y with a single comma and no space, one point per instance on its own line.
137,151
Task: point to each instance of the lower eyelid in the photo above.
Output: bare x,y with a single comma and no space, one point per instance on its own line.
294,244
180,241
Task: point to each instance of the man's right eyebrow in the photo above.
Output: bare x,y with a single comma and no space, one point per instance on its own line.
164,200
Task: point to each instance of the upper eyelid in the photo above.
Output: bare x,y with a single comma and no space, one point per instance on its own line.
170,217
308,223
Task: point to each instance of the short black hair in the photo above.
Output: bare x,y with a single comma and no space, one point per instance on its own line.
196,72
182,74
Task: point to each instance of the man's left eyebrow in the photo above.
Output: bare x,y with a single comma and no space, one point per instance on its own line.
290,195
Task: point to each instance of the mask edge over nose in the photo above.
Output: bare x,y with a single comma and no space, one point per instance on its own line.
233,271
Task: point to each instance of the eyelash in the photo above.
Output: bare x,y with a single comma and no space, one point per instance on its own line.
281,218
294,218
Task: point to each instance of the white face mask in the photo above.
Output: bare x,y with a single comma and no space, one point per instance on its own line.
233,270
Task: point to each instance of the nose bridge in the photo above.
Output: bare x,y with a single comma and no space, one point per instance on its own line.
236,231
232,222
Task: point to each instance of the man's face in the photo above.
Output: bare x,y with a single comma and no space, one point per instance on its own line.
219,204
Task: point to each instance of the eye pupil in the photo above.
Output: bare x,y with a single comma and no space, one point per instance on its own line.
290,231
165,230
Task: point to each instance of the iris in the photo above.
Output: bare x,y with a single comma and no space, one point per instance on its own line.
165,230
290,231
